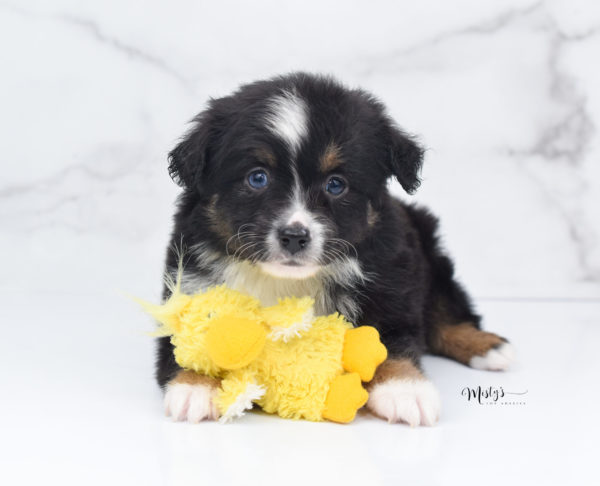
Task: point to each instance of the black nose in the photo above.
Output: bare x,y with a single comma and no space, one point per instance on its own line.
294,238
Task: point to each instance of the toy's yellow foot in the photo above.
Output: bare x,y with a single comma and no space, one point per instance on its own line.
233,342
346,395
363,351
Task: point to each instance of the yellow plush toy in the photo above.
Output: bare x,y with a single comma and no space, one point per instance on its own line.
282,357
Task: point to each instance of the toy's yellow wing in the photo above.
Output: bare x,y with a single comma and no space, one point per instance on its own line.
233,342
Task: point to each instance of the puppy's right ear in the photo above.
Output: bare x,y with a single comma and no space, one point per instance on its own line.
187,161
190,160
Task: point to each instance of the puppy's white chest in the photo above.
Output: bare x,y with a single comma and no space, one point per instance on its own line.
249,279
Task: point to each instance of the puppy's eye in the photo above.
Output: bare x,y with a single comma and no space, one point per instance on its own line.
335,185
258,179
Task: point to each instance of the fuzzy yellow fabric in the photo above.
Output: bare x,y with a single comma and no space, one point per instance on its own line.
237,393
290,318
280,357
187,320
298,373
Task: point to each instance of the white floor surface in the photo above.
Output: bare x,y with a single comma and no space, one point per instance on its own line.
79,407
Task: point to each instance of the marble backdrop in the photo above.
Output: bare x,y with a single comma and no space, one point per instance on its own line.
504,94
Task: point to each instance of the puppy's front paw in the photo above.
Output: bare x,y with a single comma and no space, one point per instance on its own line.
191,403
415,402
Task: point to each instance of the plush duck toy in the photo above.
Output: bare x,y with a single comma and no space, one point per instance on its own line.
282,357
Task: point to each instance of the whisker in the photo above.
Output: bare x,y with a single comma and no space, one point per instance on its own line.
246,246
345,244
256,255
237,236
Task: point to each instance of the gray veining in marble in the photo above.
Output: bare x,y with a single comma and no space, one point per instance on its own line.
503,94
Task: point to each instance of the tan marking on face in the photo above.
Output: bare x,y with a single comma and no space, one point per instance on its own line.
265,156
372,215
463,341
396,369
216,222
331,158
189,377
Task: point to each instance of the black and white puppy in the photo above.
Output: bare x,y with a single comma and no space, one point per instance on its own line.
284,193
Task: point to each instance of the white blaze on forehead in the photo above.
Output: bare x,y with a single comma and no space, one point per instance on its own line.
288,119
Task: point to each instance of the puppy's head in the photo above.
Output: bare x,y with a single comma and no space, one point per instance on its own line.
289,173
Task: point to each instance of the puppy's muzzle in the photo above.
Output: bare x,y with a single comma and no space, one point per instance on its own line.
294,238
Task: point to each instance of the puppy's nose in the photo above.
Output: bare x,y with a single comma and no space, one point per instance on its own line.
294,238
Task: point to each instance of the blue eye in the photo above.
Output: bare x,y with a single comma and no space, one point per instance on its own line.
335,186
258,179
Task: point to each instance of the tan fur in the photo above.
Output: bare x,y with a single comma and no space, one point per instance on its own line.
189,377
331,158
265,156
396,369
463,341
217,222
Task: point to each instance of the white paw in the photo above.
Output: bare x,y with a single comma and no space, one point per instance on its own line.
498,359
416,402
191,403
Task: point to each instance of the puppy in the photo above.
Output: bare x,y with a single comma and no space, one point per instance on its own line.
284,193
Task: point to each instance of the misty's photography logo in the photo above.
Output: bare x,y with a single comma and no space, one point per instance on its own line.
494,396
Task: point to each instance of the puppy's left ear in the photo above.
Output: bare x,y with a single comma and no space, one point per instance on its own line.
406,159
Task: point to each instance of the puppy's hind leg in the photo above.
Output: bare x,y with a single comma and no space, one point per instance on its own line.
453,328
467,344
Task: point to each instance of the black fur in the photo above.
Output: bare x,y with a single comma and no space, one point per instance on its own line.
411,282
